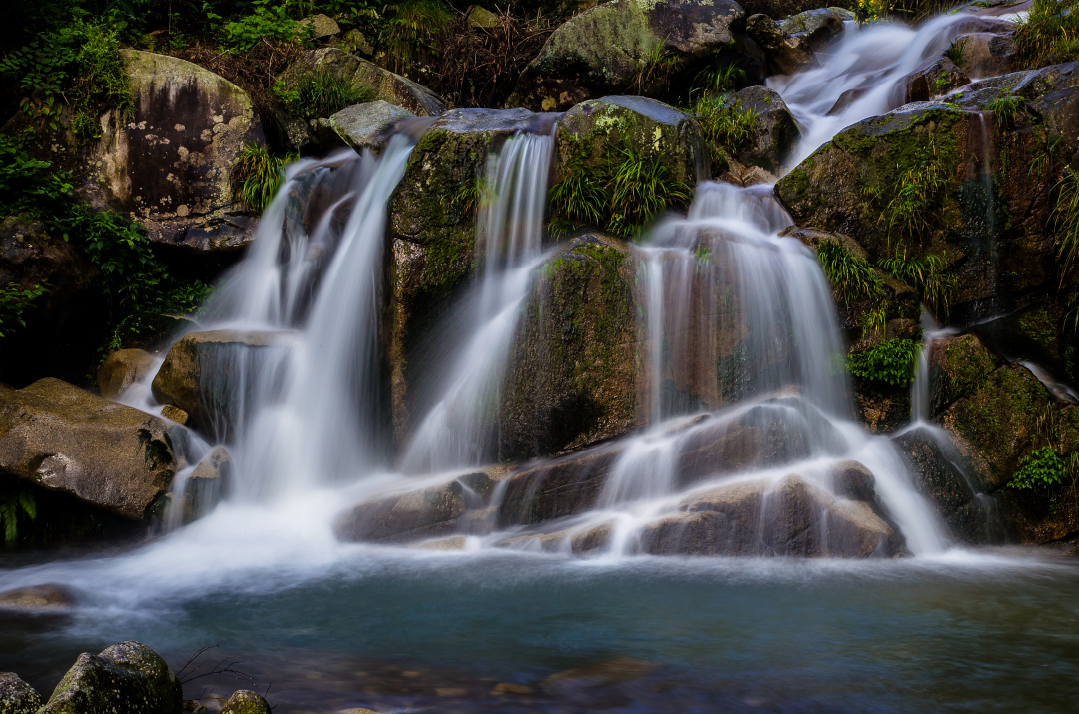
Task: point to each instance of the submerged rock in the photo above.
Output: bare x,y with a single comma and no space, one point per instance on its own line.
37,597
69,318
784,54
65,439
790,517
16,696
121,369
127,678
205,374
601,51
244,701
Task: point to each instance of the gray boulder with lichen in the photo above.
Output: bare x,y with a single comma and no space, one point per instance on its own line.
127,678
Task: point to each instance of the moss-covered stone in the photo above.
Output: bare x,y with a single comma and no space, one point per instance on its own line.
774,133
601,51
574,375
16,696
65,439
244,701
127,678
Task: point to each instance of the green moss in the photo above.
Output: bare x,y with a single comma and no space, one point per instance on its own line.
1039,326
967,365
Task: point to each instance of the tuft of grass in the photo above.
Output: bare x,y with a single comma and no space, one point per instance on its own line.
916,195
726,127
15,506
1005,108
853,278
256,177
654,69
955,52
580,199
640,189
412,26
928,275
718,78
1066,216
1050,33
320,93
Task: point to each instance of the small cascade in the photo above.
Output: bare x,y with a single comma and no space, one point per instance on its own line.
460,429
864,75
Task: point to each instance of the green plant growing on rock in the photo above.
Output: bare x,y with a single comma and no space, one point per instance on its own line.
580,199
1041,469
654,69
889,362
14,300
1005,108
1048,34
269,20
319,93
955,52
852,277
411,27
917,194
16,505
1066,216
718,78
726,127
640,189
928,274
257,176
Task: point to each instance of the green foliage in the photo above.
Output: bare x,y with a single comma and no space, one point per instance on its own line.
16,505
640,189
654,69
581,198
1066,216
889,362
870,11
726,127
853,278
410,28
78,65
928,274
955,52
1041,469
269,20
718,77
256,176
470,195
15,299
917,194
1004,108
26,184
319,93
1049,33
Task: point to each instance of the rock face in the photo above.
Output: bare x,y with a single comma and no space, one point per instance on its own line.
775,132
815,28
65,439
790,517
556,488
785,54
69,318
16,696
593,128
206,374
600,51
573,373
168,167
244,701
122,369
204,488
127,678
368,125
434,234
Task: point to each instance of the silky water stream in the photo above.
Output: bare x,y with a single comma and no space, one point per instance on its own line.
737,328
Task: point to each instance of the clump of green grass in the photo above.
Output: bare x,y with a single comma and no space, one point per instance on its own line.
852,277
1066,216
1005,108
928,275
955,52
1050,33
718,77
256,177
411,27
917,195
654,69
726,127
319,93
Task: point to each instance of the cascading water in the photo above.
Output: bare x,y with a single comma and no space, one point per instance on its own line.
459,430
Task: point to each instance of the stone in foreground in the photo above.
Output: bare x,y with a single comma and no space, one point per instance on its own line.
127,678
244,701
16,696
122,369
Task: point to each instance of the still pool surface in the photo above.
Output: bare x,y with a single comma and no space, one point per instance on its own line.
391,629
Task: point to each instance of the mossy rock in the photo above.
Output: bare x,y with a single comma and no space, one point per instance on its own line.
574,376
244,701
775,132
127,678
16,696
600,51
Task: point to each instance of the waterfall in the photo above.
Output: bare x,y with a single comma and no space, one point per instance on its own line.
459,429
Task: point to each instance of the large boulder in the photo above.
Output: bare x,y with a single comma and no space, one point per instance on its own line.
559,487
784,53
573,375
127,678
789,517
775,132
65,439
69,318
369,125
601,51
16,696
244,701
595,129
210,375
123,368
168,167
815,28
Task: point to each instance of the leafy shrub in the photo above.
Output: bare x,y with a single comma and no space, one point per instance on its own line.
256,176
269,21
15,299
928,275
319,93
16,505
889,362
1042,468
853,278
1049,32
